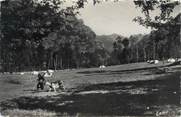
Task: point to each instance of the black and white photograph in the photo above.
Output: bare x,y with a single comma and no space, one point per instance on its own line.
90,58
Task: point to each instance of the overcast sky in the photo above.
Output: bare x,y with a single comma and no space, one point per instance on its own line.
109,17
113,17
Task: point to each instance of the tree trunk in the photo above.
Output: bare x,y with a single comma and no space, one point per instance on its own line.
154,50
137,54
144,53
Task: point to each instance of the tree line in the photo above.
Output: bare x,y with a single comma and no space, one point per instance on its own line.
41,35
45,35
160,44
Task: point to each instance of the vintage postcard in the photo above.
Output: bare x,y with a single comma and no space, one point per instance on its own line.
89,58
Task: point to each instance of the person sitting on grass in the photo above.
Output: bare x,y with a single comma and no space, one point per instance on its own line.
41,81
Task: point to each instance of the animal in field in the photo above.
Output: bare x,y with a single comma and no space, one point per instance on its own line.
153,61
54,86
171,60
102,66
22,73
179,59
35,72
148,61
156,61
48,73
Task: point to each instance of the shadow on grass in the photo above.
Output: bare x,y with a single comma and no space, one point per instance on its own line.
133,98
175,63
13,81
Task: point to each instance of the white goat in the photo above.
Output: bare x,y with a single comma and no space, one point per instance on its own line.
22,73
153,61
102,66
171,60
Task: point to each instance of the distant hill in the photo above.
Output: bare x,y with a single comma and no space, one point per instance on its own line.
166,38
137,38
108,40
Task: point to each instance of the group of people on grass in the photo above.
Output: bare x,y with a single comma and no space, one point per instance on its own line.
41,82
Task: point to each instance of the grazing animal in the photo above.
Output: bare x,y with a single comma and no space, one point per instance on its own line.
53,86
153,61
48,73
171,60
35,72
22,73
179,59
156,61
102,66
148,61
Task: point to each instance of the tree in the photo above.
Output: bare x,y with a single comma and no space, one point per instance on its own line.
159,22
122,49
159,44
162,20
25,24
166,8
72,44
43,33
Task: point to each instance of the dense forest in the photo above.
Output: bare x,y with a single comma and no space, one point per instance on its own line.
39,35
160,44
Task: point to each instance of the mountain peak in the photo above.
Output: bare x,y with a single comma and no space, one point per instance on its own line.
108,40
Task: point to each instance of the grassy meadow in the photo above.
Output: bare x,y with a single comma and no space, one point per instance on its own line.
122,90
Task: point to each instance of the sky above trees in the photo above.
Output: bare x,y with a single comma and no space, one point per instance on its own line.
114,17
110,17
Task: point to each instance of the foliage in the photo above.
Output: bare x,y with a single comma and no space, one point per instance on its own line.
165,7
41,35
160,44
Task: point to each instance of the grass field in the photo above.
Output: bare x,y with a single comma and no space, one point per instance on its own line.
123,90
